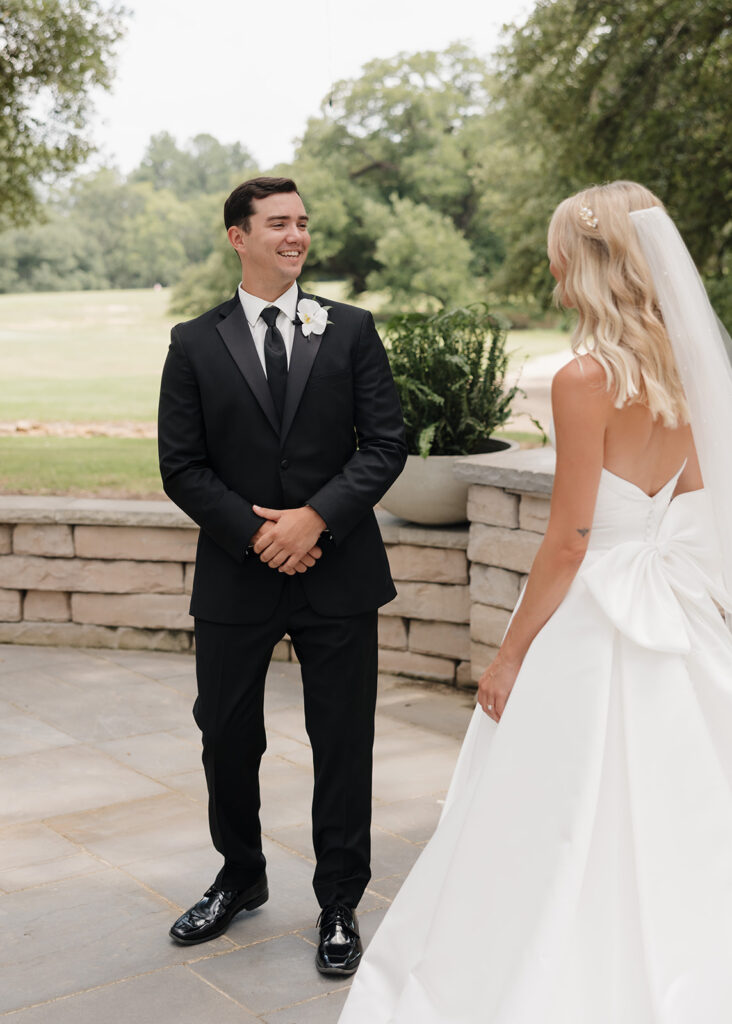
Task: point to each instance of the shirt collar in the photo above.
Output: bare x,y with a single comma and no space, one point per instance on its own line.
253,305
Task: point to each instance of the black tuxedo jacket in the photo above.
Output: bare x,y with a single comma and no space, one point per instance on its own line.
340,446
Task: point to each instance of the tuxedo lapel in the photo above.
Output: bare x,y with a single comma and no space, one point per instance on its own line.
304,351
237,337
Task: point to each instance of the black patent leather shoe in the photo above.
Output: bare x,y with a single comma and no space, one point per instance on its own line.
339,949
215,910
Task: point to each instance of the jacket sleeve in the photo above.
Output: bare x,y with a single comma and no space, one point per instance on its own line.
188,478
382,449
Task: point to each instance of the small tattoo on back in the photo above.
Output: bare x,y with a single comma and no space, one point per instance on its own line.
582,531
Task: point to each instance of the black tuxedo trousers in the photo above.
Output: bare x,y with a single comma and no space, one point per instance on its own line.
338,659
339,446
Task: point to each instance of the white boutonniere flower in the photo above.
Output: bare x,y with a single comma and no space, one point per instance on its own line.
313,316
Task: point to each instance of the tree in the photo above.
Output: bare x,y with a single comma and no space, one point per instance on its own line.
204,167
55,256
149,247
206,284
421,252
636,89
108,232
52,55
412,126
345,219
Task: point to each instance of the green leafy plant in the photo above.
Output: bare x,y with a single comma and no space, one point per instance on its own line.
449,368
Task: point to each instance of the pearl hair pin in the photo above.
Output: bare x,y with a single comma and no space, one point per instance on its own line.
587,216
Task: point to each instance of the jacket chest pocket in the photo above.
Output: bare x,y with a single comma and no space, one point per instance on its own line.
330,378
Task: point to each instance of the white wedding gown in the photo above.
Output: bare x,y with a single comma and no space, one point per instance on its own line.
581,872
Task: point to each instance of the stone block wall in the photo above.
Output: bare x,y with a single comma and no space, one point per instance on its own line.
101,573
508,509
98,573
425,631
95,573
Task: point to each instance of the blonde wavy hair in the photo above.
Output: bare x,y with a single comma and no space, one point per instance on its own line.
603,274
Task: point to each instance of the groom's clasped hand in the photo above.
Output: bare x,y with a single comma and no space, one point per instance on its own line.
287,540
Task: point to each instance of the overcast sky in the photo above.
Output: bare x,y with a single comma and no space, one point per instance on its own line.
226,68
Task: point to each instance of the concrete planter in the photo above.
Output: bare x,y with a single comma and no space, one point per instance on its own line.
427,492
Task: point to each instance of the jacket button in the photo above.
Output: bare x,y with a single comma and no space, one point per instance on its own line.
284,464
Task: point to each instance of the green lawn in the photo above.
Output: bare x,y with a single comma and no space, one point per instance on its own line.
87,357
94,466
96,356
82,356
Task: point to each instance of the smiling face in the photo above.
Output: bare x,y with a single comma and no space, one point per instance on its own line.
275,247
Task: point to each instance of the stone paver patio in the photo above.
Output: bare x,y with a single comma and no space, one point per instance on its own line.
103,841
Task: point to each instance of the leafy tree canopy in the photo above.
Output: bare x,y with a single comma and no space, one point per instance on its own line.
411,127
430,177
119,232
52,54
204,166
636,89
421,252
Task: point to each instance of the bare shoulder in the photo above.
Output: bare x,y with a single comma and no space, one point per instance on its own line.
583,373
579,390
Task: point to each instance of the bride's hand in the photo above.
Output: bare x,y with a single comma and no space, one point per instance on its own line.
495,685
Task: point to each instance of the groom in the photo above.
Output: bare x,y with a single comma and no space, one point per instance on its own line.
279,430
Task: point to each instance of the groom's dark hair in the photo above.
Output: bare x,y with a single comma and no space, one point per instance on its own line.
238,207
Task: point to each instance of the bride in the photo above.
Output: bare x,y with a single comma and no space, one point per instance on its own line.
581,872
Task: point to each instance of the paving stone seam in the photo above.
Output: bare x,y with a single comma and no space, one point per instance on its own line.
221,992
297,933
118,803
382,878
27,753
437,794
160,781
143,885
272,729
189,738
300,823
246,945
102,861
303,1002
314,999
135,671
93,988
395,835
244,1006
292,764
89,744
127,736
100,866
283,846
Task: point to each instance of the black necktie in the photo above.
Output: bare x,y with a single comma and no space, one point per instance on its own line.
275,359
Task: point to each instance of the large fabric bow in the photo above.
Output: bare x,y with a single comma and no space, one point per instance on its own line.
649,589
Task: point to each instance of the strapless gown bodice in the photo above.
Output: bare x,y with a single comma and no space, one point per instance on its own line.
624,512
651,561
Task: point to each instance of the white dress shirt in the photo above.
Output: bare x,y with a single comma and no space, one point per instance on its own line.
253,306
